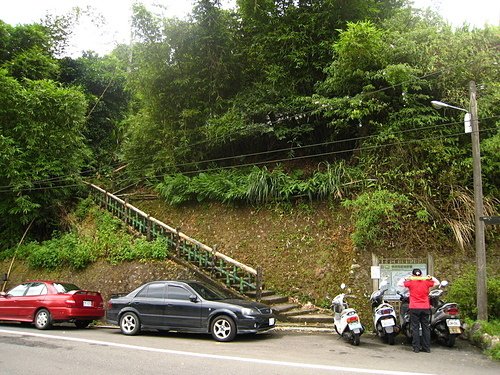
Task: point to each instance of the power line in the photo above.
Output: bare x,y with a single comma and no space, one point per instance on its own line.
322,154
265,162
8,188
307,146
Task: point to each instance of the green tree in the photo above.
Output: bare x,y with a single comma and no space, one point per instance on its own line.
103,80
43,150
183,72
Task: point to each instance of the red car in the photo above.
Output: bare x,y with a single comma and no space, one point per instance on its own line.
46,302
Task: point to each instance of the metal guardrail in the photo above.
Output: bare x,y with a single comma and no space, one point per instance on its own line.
234,274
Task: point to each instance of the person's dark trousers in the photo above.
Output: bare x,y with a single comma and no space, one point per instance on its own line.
421,317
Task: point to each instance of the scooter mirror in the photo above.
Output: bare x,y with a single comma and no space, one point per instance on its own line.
342,286
444,283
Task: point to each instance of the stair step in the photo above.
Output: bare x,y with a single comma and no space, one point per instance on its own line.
265,293
283,308
298,311
311,318
273,299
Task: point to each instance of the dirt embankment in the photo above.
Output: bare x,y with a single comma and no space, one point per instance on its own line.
305,250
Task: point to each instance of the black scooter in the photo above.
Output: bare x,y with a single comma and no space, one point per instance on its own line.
445,323
404,315
445,319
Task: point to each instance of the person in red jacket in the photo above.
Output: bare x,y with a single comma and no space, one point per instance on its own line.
420,308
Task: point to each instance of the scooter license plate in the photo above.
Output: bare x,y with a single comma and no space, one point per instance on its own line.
387,322
453,322
354,326
453,326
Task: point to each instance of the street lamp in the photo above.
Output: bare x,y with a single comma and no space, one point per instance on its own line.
467,118
471,118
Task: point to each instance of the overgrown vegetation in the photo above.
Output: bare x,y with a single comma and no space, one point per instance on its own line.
261,185
96,235
375,215
483,333
463,292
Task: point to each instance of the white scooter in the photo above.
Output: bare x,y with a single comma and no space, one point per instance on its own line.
345,319
384,316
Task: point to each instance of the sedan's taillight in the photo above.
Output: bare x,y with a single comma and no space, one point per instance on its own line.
70,302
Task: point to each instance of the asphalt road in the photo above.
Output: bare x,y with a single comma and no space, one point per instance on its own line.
67,350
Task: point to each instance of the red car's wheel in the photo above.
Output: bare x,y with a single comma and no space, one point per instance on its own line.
43,319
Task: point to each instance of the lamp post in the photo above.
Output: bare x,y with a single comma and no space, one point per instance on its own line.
471,117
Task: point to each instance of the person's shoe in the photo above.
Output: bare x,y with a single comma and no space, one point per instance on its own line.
426,350
416,350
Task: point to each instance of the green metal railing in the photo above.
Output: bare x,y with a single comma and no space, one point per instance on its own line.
233,274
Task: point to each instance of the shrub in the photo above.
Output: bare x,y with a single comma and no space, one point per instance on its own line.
463,292
76,251
375,213
83,207
259,185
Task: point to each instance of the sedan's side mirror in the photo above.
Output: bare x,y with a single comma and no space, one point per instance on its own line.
3,294
193,298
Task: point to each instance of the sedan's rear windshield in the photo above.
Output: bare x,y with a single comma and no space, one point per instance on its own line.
65,287
209,293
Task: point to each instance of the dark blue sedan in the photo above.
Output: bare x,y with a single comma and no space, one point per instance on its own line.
188,306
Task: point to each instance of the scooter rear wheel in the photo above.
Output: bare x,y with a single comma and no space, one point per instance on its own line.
390,338
450,341
355,339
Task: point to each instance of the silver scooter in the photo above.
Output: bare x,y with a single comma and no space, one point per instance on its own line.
384,315
445,319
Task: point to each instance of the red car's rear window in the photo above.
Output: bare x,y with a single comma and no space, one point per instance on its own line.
65,287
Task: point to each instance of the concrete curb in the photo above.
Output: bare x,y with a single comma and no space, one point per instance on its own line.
286,327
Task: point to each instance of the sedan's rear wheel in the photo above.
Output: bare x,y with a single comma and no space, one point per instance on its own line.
223,329
130,324
43,319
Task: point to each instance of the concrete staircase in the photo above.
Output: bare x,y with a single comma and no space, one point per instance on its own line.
291,312
209,264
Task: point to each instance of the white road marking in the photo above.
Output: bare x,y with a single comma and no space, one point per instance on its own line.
215,356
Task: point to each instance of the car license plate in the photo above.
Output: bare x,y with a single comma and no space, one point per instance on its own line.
271,321
453,322
354,326
87,303
387,322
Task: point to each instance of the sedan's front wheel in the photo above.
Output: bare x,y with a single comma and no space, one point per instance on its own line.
130,324
43,319
223,329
